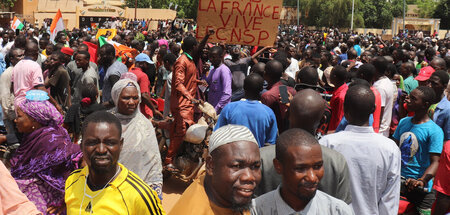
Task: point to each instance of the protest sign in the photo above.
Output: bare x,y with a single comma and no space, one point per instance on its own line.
245,22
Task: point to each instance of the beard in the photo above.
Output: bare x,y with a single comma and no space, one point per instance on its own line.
239,207
304,195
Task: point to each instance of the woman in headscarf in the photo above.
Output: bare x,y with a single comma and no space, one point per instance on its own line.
140,152
46,156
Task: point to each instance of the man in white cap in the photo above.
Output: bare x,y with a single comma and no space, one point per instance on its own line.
232,174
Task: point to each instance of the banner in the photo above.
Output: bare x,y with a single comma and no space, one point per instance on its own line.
245,22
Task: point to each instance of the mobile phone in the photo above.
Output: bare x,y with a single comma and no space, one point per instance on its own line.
284,94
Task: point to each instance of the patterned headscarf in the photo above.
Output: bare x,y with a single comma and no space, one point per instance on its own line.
42,111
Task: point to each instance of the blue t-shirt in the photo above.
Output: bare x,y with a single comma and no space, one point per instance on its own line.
442,116
257,117
358,49
428,137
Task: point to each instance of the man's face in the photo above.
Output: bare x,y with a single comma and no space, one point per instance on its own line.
101,145
103,57
43,44
82,61
54,61
16,56
414,100
366,57
443,51
435,83
235,174
62,39
215,59
5,38
302,170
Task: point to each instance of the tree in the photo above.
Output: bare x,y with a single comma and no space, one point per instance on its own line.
140,3
442,12
326,13
426,8
379,14
7,3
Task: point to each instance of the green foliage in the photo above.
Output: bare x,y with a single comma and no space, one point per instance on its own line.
443,12
379,14
140,3
426,8
7,3
325,13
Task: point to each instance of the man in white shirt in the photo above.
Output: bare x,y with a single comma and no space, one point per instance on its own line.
299,161
373,160
293,67
387,90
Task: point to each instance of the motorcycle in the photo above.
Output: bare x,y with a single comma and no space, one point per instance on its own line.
192,154
406,207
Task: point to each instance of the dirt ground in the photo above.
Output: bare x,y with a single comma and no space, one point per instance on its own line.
172,190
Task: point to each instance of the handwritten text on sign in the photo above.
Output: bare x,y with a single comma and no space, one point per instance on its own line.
247,22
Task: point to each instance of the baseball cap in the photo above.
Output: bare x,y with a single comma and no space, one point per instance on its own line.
425,73
67,51
143,58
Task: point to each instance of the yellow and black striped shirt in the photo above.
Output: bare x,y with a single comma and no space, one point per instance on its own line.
127,194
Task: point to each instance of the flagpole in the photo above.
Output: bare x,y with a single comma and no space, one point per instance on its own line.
353,9
135,9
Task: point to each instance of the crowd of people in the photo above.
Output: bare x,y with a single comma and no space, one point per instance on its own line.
336,123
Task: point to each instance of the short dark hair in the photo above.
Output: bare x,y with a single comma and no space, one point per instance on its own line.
171,58
188,43
60,55
367,72
85,53
216,49
308,75
380,64
428,95
89,91
293,137
271,72
359,102
101,116
109,49
443,76
340,72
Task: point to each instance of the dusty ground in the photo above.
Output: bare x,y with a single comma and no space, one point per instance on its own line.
172,190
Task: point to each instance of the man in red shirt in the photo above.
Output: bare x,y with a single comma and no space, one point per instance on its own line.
271,98
367,72
142,64
338,77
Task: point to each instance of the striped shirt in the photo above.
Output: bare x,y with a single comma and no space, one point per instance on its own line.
127,194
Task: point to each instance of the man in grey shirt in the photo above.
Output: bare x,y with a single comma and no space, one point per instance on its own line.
306,112
299,161
84,74
113,70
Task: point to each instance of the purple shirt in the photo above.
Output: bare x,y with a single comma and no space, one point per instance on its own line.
219,81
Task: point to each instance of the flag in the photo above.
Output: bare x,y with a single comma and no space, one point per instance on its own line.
170,5
57,25
16,24
120,49
92,49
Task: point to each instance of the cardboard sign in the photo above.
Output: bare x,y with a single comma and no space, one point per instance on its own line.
245,22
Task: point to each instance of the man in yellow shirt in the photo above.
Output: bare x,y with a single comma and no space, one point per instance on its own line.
105,186
232,174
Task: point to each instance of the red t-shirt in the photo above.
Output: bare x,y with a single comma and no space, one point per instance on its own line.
441,180
337,106
377,112
144,85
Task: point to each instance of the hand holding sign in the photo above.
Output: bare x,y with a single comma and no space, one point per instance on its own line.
246,22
